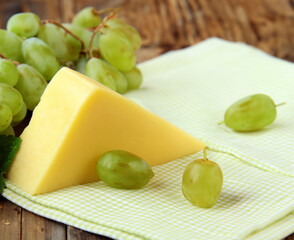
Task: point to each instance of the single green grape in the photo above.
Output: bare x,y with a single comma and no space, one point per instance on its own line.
134,78
10,97
127,30
10,45
84,34
25,25
88,17
16,119
81,64
5,117
251,113
116,49
31,85
121,169
120,80
8,131
202,182
39,55
99,71
8,72
64,46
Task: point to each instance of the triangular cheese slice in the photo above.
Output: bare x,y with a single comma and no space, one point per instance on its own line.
76,121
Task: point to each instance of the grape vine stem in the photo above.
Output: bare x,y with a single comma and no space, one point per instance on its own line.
280,104
66,31
106,10
102,24
14,62
204,154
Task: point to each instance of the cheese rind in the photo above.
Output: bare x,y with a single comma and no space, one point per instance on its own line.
76,121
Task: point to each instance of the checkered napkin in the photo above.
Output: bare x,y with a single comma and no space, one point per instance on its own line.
192,89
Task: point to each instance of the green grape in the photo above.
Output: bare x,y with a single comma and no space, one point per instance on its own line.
39,55
81,64
8,131
117,50
24,25
87,18
8,72
10,97
202,182
127,30
120,80
251,113
84,34
121,169
16,119
99,71
134,78
64,46
10,45
5,117
31,85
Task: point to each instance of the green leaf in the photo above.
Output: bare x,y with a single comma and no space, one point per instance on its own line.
2,183
9,146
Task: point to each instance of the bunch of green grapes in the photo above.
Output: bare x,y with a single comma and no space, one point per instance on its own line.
32,51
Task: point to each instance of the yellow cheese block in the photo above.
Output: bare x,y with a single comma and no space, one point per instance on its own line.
76,121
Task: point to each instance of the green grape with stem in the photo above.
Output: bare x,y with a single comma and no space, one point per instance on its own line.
134,78
88,17
251,113
202,182
122,169
10,97
31,85
99,71
8,72
64,45
25,25
40,56
5,117
10,45
84,34
116,49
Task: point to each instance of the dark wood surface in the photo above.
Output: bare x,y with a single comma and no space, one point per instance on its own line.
164,25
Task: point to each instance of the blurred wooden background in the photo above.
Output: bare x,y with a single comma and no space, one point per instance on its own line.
173,24
164,25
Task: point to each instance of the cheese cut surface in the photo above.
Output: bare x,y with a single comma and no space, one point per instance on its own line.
76,121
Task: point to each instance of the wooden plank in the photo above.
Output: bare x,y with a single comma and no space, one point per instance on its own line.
10,225
37,227
77,234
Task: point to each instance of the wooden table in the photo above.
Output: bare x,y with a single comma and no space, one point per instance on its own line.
164,25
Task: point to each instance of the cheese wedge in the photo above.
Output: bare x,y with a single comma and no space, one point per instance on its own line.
76,121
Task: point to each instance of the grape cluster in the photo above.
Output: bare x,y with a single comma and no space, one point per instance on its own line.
32,51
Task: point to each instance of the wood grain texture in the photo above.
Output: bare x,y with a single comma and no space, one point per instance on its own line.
164,25
77,234
10,216
37,227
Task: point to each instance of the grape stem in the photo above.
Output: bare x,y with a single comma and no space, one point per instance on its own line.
221,122
66,31
14,62
204,154
280,104
102,24
106,10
